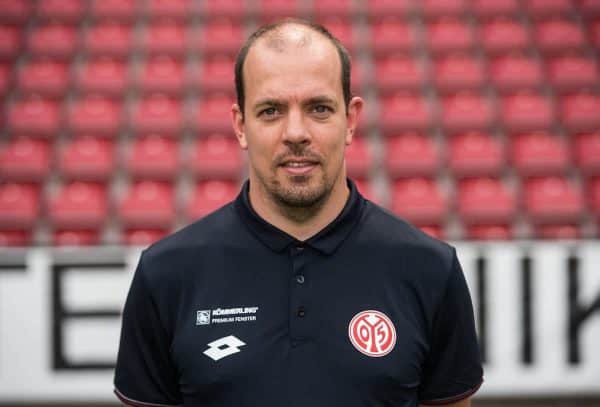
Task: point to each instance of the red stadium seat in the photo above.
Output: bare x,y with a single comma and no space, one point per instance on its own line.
274,9
209,196
459,71
103,75
157,113
593,191
449,35
488,232
589,7
19,205
142,237
87,158
485,201
554,232
526,110
544,7
539,153
404,111
148,204
464,111
221,36
573,71
503,34
109,38
395,71
581,111
10,41
34,115
342,29
5,78
115,9
165,37
411,154
418,200
216,73
217,156
153,157
179,9
559,34
485,8
443,7
512,71
358,158
79,205
25,159
75,237
162,74
552,200
15,238
380,8
65,10
475,154
223,8
214,113
587,152
44,77
338,8
391,34
595,33
95,114
53,39
16,11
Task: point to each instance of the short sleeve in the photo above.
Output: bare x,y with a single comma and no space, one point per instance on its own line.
144,374
453,368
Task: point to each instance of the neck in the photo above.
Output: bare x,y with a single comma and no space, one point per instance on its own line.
301,223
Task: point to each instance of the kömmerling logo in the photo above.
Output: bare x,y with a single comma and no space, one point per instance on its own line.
203,317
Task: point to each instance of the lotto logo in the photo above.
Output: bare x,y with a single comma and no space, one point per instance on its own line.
223,347
203,317
372,333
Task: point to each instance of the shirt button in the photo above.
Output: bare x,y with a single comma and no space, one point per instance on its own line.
300,279
301,312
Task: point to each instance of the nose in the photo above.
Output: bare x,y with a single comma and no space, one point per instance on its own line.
295,131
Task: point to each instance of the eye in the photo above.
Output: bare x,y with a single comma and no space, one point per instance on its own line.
322,109
269,112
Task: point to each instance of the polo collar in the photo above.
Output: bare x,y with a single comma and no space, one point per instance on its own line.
326,241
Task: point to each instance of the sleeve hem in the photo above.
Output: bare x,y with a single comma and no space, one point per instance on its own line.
452,399
135,403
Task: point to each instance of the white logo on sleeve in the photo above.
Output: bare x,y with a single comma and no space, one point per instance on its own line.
223,347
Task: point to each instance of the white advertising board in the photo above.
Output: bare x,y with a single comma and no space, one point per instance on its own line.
537,307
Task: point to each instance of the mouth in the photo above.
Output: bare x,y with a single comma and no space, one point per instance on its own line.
298,166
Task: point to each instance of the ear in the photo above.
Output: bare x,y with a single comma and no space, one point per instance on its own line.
354,110
237,121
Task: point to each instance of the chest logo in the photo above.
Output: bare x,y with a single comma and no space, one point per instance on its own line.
223,347
372,333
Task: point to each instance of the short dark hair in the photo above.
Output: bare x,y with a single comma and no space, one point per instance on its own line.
241,57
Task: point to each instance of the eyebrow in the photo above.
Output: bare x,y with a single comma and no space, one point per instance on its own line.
312,101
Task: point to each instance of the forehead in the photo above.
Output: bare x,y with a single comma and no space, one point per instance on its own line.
297,62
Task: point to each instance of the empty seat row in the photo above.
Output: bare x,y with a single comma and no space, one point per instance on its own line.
89,158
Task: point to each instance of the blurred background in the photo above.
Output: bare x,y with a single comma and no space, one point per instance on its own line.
482,127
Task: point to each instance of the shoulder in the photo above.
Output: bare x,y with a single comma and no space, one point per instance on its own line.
182,250
398,237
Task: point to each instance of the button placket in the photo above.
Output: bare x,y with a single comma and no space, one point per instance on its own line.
299,294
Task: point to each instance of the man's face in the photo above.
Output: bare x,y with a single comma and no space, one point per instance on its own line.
295,126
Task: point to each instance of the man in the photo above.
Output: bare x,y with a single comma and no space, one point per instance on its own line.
300,292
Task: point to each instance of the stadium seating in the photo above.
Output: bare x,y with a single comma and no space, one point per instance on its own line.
482,118
411,154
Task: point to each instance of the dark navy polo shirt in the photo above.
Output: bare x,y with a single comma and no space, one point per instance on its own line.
231,311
